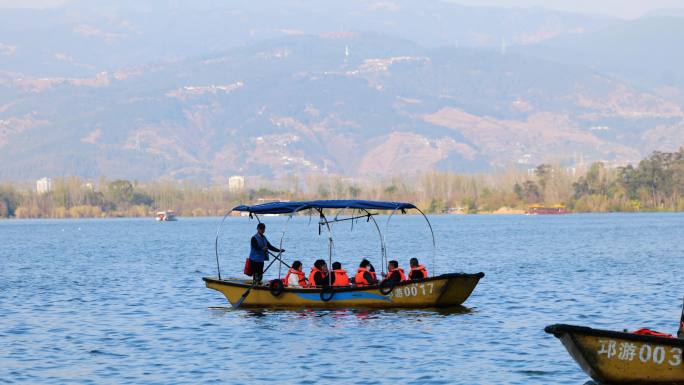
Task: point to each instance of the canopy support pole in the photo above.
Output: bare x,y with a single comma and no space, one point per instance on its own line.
282,236
368,216
383,250
312,205
434,244
330,245
432,233
218,232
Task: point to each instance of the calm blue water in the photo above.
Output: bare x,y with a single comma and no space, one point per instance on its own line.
122,300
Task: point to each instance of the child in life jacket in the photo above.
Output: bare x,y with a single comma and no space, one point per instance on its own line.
365,275
395,273
418,271
339,276
295,276
319,274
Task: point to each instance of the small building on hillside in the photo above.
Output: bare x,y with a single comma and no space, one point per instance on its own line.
236,183
43,185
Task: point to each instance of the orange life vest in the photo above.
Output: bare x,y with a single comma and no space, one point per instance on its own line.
360,280
420,268
401,273
300,275
372,273
312,281
649,332
341,278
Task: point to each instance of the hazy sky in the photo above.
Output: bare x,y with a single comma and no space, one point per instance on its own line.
618,8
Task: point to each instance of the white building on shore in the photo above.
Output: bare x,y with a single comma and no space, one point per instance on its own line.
43,185
236,183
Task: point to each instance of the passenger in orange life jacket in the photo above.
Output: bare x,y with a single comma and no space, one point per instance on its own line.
395,273
418,271
295,276
319,274
339,276
365,275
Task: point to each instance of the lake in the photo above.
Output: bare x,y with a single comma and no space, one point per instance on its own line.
122,300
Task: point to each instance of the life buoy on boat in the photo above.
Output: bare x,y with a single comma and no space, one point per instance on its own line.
327,293
276,287
386,287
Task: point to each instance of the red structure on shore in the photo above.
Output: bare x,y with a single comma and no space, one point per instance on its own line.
538,209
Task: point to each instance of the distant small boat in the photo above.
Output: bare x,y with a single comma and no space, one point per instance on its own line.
625,358
166,216
538,209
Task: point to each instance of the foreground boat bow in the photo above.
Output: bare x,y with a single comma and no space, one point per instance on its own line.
623,358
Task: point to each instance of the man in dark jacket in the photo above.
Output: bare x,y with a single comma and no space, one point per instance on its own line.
319,274
395,273
259,253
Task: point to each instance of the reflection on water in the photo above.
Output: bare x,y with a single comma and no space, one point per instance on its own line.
361,313
122,301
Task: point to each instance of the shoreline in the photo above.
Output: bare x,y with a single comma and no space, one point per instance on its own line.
479,213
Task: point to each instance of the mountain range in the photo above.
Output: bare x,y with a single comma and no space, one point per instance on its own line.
203,91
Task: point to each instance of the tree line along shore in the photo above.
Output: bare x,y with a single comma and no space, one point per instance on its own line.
655,184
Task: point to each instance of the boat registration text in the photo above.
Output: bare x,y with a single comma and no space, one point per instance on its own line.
413,290
629,351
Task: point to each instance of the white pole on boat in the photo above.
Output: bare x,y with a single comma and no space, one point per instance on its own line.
282,235
218,232
434,243
330,242
432,234
383,249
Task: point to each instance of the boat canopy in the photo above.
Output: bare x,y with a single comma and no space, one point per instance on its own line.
292,207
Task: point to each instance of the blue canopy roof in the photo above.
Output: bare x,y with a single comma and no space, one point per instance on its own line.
290,207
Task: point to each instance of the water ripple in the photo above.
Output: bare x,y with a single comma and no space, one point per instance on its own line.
122,301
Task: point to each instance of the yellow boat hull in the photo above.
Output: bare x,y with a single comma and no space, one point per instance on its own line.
623,358
441,291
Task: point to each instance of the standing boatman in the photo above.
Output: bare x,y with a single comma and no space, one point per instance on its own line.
259,253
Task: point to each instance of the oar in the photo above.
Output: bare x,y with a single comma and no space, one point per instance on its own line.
680,331
244,296
278,258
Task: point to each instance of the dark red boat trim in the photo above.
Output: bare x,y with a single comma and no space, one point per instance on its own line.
559,329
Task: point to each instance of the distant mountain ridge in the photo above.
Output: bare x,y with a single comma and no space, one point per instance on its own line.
84,37
351,103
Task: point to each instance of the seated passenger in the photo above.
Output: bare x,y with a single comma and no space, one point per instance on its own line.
319,274
395,273
365,275
418,271
339,276
295,276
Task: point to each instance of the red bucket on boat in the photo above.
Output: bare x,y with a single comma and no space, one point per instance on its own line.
248,267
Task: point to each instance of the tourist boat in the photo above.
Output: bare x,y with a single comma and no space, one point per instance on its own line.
537,209
625,358
166,216
443,290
